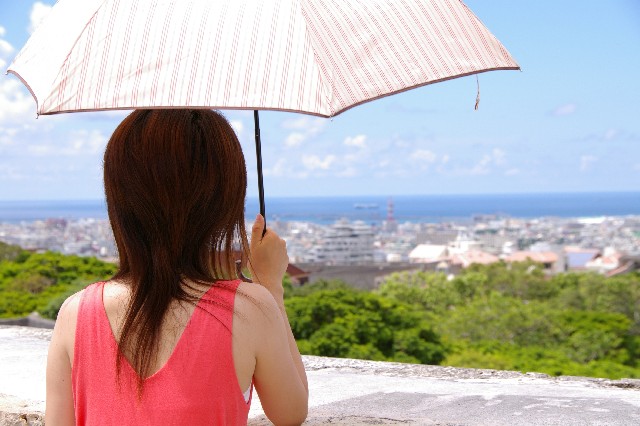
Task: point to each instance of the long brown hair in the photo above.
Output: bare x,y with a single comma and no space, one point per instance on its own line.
175,184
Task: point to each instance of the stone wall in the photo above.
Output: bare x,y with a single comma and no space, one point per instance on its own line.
32,320
357,392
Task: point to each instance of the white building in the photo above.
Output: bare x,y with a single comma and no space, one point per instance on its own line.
343,243
428,253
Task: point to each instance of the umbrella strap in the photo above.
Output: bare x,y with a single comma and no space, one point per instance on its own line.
478,94
256,121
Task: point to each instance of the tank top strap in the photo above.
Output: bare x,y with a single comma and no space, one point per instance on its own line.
219,302
92,327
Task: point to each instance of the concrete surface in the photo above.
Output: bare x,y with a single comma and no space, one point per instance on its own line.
357,392
32,320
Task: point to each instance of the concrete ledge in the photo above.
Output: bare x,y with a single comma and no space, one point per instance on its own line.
18,412
357,392
32,320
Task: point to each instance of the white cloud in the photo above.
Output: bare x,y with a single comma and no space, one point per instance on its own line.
113,117
16,103
8,133
348,172
10,173
237,126
303,123
6,48
420,159
610,134
40,150
39,11
79,143
423,155
482,166
566,109
294,139
303,129
512,172
586,161
314,162
278,169
445,159
87,142
499,156
400,143
358,141
298,123
351,158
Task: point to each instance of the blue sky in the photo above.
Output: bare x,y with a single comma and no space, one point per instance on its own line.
570,121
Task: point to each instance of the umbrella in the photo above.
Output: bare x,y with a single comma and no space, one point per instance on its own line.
318,57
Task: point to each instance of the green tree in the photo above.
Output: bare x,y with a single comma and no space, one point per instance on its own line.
430,291
513,316
349,323
34,281
522,280
9,252
29,282
307,289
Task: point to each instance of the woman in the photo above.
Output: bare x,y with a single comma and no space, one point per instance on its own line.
174,337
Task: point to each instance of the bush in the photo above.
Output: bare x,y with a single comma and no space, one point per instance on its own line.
42,281
349,323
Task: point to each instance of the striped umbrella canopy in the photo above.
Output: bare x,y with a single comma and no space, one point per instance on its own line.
317,57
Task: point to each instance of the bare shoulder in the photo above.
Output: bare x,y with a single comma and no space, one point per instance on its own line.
115,296
59,397
69,309
64,332
255,295
255,301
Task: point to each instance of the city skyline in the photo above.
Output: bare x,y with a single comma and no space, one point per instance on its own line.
568,122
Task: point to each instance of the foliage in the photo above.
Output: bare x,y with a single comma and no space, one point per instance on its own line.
512,316
9,252
504,356
332,319
41,281
308,289
592,292
503,316
53,307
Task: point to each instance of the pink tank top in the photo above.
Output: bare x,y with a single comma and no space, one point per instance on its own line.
197,385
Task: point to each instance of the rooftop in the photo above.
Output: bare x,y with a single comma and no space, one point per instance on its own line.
357,392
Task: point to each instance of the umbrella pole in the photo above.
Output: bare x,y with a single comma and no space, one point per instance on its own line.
256,121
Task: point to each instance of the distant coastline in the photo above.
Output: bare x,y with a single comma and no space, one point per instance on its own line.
411,208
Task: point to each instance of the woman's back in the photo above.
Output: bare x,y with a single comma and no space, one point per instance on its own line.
193,379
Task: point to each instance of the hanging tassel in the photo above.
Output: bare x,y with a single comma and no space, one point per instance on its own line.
478,95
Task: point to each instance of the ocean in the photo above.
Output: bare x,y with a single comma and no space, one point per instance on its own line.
374,209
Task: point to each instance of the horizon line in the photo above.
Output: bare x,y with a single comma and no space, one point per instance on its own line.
460,194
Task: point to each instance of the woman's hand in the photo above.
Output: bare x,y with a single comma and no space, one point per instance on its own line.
269,259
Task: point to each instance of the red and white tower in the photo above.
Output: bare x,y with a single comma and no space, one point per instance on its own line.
390,224
390,217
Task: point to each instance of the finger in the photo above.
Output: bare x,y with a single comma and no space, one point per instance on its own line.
256,229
